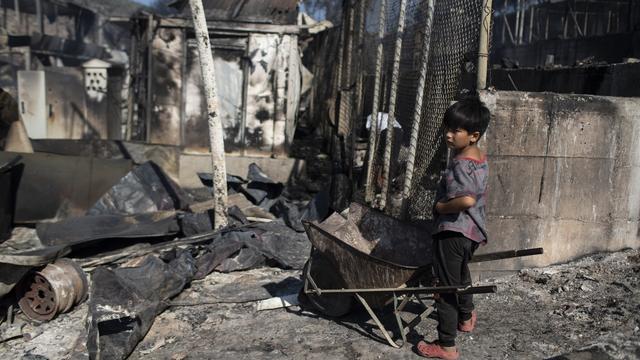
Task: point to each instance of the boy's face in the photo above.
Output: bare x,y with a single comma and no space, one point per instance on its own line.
459,139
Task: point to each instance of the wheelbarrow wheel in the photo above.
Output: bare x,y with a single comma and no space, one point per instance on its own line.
325,277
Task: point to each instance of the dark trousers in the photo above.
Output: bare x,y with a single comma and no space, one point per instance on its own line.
451,255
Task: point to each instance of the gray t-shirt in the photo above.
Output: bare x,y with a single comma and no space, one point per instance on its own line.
465,177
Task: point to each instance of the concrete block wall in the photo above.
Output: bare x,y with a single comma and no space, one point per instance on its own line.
564,175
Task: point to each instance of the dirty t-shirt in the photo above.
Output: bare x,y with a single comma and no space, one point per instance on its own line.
464,177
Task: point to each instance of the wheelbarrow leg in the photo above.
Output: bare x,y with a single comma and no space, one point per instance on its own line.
404,330
385,333
396,311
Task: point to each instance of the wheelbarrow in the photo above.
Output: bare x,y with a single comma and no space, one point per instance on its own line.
376,260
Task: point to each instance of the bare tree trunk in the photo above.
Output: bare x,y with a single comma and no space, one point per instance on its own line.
215,127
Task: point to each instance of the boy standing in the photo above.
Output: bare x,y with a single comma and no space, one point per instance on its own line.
460,222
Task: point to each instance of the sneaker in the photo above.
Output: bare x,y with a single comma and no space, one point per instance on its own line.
469,325
434,350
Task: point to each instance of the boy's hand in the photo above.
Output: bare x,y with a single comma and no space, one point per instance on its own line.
456,205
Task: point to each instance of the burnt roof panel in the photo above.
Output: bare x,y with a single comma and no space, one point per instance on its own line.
279,12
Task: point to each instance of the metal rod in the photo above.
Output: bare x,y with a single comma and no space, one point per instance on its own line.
417,110
149,82
16,8
39,22
357,112
586,19
533,12
349,57
133,69
486,289
391,120
575,22
506,255
517,27
523,10
373,130
385,333
483,52
513,40
546,28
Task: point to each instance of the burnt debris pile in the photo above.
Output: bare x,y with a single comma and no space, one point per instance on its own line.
137,246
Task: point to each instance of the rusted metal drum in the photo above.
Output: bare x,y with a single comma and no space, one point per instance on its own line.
53,290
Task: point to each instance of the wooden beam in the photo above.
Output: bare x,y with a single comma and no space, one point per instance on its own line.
234,26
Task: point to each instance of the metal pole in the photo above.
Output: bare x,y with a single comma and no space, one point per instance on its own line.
215,125
373,130
483,52
39,22
417,110
517,27
133,69
504,22
357,111
148,82
16,8
533,12
523,10
395,72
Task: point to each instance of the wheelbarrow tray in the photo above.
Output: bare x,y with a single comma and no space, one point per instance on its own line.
371,250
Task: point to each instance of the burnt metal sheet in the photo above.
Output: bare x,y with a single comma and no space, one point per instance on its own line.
281,12
165,156
57,46
85,229
10,173
61,186
146,189
125,301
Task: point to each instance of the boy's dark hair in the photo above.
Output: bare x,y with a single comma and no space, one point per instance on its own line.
469,114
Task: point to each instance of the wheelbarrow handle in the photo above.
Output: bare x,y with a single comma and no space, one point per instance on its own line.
506,255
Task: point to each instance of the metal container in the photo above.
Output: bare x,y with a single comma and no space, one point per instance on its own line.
368,250
53,290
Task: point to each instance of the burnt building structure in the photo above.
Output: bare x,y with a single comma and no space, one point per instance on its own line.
259,77
566,46
66,63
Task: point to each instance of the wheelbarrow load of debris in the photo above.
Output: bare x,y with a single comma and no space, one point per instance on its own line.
377,260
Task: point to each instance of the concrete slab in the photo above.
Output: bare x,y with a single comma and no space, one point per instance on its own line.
564,175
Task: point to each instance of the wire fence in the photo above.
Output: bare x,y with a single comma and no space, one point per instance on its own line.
382,68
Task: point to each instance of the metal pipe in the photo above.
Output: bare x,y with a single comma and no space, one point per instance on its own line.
517,27
483,52
417,110
16,8
149,82
39,22
357,109
513,40
523,10
486,289
533,12
373,130
504,22
395,72
546,28
133,68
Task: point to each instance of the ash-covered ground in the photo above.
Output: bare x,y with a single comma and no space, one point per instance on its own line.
587,309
